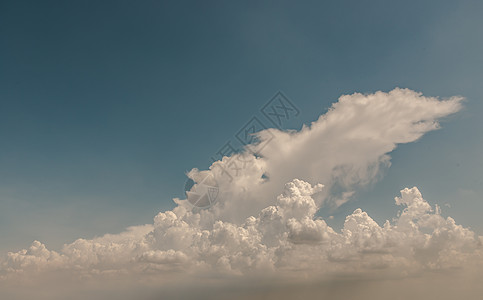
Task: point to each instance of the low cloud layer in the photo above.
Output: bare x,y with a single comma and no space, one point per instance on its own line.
264,222
281,239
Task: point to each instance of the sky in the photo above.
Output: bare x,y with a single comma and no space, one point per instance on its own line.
105,106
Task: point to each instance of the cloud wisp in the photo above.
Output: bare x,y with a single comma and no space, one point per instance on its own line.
265,222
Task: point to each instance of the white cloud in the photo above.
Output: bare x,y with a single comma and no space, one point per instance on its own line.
345,148
253,231
281,238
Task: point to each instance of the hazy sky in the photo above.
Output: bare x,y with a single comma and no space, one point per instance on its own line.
105,105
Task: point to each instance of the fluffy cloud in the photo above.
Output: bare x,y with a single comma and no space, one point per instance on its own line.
269,226
282,238
345,148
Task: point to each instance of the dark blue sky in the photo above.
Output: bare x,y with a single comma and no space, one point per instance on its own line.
104,105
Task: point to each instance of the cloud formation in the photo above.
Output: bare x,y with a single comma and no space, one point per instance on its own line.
283,238
345,148
269,226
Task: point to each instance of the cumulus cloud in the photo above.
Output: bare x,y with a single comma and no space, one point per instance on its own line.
266,227
283,238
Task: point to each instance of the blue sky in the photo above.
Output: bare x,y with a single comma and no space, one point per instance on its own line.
105,106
